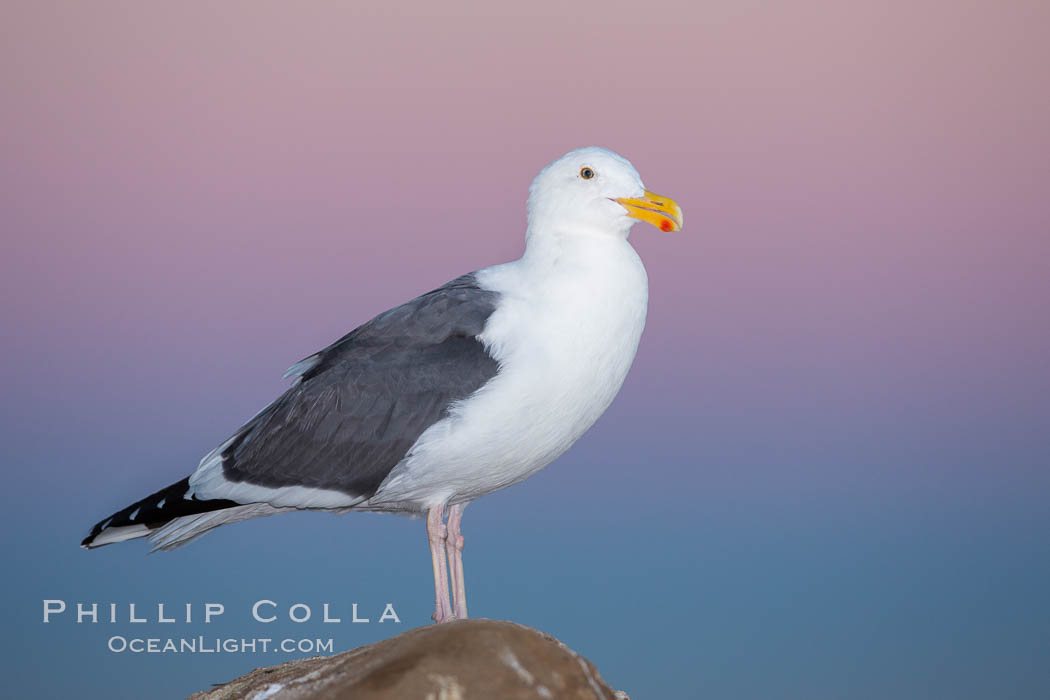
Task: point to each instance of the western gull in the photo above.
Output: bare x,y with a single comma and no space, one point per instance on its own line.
465,390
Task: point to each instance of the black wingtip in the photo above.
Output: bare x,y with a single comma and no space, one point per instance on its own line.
154,511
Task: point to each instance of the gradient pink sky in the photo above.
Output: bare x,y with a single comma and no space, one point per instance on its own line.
864,187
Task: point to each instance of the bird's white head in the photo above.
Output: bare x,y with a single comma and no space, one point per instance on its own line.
595,191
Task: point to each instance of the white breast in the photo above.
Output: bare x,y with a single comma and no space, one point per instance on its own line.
566,331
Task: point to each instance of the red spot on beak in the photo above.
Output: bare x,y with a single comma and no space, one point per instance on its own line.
666,225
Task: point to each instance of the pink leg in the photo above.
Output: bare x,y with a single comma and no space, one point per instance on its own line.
436,533
454,547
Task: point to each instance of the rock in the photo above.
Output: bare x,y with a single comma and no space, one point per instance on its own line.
460,660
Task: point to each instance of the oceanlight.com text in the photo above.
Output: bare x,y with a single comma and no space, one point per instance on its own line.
218,645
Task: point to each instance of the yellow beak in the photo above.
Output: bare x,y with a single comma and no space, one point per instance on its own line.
662,212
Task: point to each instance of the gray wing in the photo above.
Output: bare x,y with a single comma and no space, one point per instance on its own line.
362,402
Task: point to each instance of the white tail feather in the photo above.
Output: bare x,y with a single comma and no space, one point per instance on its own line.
183,530
117,534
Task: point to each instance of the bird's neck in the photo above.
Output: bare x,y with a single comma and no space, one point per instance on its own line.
550,246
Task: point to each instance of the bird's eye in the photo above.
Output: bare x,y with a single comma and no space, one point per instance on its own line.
586,173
